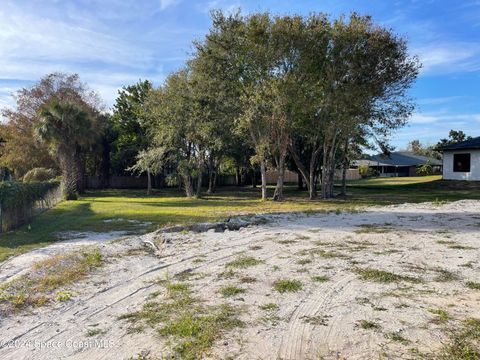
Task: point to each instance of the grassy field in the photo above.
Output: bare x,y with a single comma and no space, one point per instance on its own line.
128,209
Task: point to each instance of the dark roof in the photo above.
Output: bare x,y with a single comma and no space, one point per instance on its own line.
464,145
400,158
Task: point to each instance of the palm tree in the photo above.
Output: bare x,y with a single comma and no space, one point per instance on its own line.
65,127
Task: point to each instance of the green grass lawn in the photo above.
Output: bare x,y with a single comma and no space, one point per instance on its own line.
165,207
394,181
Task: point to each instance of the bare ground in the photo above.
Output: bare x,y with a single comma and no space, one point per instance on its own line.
435,247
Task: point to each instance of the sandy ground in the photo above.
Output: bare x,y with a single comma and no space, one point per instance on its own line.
320,321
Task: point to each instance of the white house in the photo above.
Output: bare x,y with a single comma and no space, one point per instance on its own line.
461,161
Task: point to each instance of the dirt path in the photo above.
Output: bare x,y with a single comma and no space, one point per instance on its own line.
323,319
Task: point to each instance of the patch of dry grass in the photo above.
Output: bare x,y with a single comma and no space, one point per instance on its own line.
38,287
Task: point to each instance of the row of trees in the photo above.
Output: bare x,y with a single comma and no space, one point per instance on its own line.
259,92
305,88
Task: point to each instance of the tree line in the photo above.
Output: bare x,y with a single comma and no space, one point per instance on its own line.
258,92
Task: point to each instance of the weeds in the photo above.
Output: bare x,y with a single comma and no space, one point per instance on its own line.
321,320
464,342
191,326
395,336
368,325
473,285
304,261
384,276
95,332
247,280
285,285
442,315
445,275
231,290
37,287
244,262
320,278
286,242
269,307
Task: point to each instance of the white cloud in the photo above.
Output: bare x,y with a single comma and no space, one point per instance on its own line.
439,100
449,57
167,3
443,117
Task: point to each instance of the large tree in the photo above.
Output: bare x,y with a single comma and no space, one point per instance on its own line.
22,151
358,84
173,125
65,127
127,125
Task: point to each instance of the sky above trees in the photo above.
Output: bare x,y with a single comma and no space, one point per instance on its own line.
112,43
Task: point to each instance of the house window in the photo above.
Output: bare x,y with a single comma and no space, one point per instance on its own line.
461,162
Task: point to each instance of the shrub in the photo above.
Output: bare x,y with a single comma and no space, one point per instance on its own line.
39,174
425,169
366,171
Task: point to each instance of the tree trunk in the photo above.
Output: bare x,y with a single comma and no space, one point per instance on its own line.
214,182
278,194
307,174
299,181
326,168
345,166
263,172
237,176
149,182
212,175
199,184
188,185
79,163
69,174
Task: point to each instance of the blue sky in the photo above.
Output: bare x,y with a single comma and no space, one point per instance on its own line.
112,43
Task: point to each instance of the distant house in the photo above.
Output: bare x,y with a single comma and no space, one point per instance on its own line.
461,161
401,163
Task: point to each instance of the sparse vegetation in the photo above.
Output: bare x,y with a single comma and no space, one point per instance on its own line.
395,336
442,315
37,287
382,276
95,332
473,285
304,261
247,280
286,242
320,278
244,262
269,307
321,320
285,285
464,342
444,275
368,325
231,290
186,321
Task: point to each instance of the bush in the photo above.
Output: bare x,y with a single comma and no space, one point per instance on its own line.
39,174
367,172
425,169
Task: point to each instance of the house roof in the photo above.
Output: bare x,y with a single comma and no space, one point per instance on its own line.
400,158
463,145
